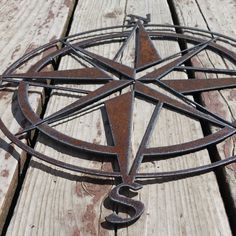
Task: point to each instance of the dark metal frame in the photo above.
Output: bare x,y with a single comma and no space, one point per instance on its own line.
146,56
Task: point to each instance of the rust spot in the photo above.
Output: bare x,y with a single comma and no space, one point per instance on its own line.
227,148
17,49
46,21
113,14
3,94
89,218
4,173
7,156
96,192
76,232
232,94
110,15
67,3
99,130
50,15
90,215
212,102
78,190
95,141
233,168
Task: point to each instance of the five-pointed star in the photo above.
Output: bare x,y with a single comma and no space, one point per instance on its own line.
146,57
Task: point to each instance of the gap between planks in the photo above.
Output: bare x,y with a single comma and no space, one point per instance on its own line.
218,16
190,206
25,25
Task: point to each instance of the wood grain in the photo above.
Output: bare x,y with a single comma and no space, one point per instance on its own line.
217,16
191,206
59,202
24,25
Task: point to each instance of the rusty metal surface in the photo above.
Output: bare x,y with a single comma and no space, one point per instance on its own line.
114,77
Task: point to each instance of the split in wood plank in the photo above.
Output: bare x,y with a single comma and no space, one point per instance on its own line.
25,25
217,16
191,206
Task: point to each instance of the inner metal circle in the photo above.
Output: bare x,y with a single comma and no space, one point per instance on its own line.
110,150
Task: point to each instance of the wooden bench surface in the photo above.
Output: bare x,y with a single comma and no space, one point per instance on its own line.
53,201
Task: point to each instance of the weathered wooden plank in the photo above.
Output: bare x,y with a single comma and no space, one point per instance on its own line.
55,201
191,206
61,202
217,16
24,26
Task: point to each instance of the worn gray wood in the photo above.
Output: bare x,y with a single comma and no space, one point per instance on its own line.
59,202
218,16
24,25
183,207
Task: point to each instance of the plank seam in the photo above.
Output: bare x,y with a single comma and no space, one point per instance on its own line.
32,140
204,18
213,153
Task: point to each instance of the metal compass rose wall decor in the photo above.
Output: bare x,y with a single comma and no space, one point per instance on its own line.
119,84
